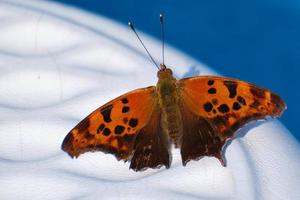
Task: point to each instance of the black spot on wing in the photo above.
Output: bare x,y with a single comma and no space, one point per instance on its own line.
210,82
231,86
119,129
106,132
223,108
125,109
124,100
105,112
212,91
236,106
133,122
208,107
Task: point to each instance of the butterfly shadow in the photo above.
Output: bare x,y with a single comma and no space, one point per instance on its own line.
240,133
194,70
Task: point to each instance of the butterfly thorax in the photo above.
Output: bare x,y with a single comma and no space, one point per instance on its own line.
168,101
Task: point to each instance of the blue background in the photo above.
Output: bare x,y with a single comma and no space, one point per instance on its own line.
255,41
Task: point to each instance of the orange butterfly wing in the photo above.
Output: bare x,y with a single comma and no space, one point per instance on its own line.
214,108
128,127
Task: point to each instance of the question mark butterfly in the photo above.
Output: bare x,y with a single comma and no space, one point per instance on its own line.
198,115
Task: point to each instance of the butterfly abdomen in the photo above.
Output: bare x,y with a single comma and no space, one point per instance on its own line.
168,101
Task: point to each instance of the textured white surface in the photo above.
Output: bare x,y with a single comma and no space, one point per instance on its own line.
57,65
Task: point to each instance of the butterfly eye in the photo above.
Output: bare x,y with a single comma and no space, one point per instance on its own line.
169,71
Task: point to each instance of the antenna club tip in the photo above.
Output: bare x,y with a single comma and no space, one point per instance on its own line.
161,18
130,25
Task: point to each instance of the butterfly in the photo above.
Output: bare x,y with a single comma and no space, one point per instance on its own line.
199,115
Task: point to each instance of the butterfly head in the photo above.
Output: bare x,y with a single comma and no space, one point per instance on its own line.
164,72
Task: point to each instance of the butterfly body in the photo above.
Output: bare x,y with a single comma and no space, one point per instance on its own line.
169,99
198,115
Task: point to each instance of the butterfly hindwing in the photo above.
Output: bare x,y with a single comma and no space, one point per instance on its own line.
122,127
152,146
213,108
199,138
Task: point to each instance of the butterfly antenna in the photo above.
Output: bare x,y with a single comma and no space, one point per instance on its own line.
133,29
161,19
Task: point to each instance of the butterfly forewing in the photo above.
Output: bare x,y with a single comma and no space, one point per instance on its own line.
113,127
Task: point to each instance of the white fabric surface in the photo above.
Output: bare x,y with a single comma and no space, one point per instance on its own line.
58,64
